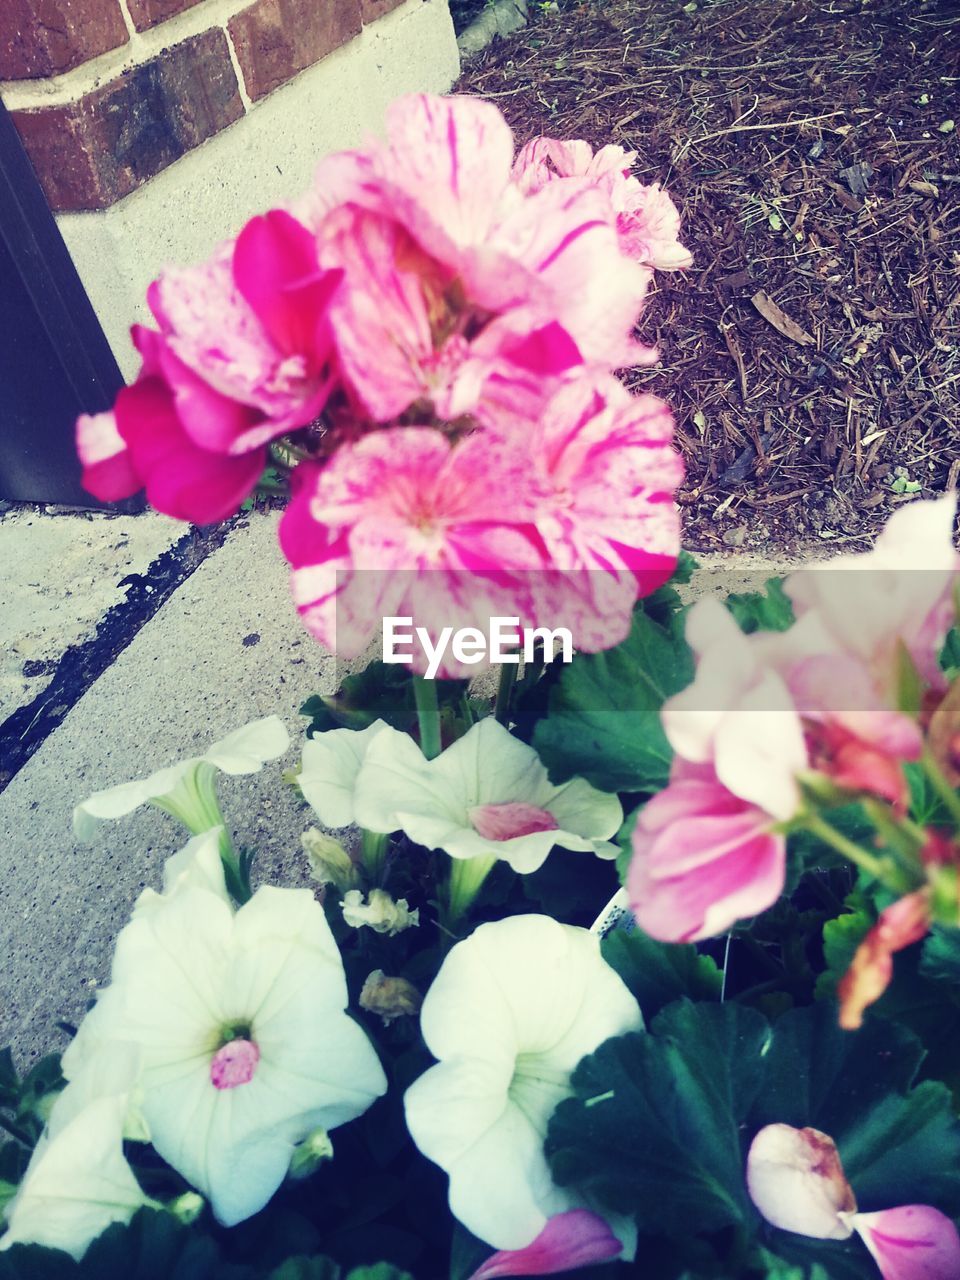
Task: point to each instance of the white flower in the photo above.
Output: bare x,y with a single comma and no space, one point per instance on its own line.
245,1045
198,865
331,762
186,790
512,1011
77,1182
381,913
487,796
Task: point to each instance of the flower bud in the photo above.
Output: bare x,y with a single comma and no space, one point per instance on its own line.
390,997
187,1208
310,1154
329,861
380,913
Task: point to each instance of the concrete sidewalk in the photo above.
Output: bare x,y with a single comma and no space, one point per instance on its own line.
225,648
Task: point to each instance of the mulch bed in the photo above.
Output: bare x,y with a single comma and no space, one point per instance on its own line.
812,352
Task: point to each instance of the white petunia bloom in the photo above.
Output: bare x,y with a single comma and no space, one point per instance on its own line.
245,1044
187,790
487,796
328,778
198,865
77,1182
512,1011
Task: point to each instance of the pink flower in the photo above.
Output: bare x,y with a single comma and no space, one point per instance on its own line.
107,471
738,714
796,1180
899,593
407,334
702,858
182,476
403,523
911,1242
646,219
569,1240
253,324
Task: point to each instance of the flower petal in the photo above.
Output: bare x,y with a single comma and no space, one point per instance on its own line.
796,1180
911,1242
568,1241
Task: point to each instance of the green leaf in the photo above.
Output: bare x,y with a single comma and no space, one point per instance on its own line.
307,1269
653,1128
801,1258
658,973
381,691
841,937
767,610
941,955
603,721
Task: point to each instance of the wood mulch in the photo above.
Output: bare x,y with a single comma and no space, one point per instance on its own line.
812,352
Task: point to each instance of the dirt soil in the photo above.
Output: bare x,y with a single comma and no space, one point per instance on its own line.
812,352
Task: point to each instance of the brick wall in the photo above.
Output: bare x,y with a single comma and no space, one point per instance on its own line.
107,93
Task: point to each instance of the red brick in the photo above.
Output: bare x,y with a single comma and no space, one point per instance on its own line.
276,39
45,37
371,10
147,13
90,153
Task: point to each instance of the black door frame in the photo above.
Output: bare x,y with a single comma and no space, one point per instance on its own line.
79,354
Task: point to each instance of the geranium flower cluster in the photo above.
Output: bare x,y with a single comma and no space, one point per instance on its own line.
430,333
775,722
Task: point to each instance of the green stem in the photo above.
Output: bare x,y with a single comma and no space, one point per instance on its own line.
428,715
941,785
373,853
508,678
852,852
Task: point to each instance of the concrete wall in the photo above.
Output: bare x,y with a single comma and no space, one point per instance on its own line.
154,150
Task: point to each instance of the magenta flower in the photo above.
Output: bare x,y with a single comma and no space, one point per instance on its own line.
183,477
404,523
569,1240
645,217
252,323
703,858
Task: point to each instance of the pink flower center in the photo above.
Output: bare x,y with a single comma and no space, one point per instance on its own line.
507,821
234,1064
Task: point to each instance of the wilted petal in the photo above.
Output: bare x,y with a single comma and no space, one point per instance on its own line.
900,925
568,1241
796,1180
911,1242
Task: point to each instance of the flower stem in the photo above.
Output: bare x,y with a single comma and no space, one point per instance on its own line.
941,784
508,678
868,862
373,853
428,715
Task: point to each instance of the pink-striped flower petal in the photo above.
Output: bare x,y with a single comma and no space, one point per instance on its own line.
568,1241
911,1242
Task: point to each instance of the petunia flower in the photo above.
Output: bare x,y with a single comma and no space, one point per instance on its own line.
703,858
487,796
328,774
198,865
512,1011
796,1180
78,1182
244,1041
187,790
